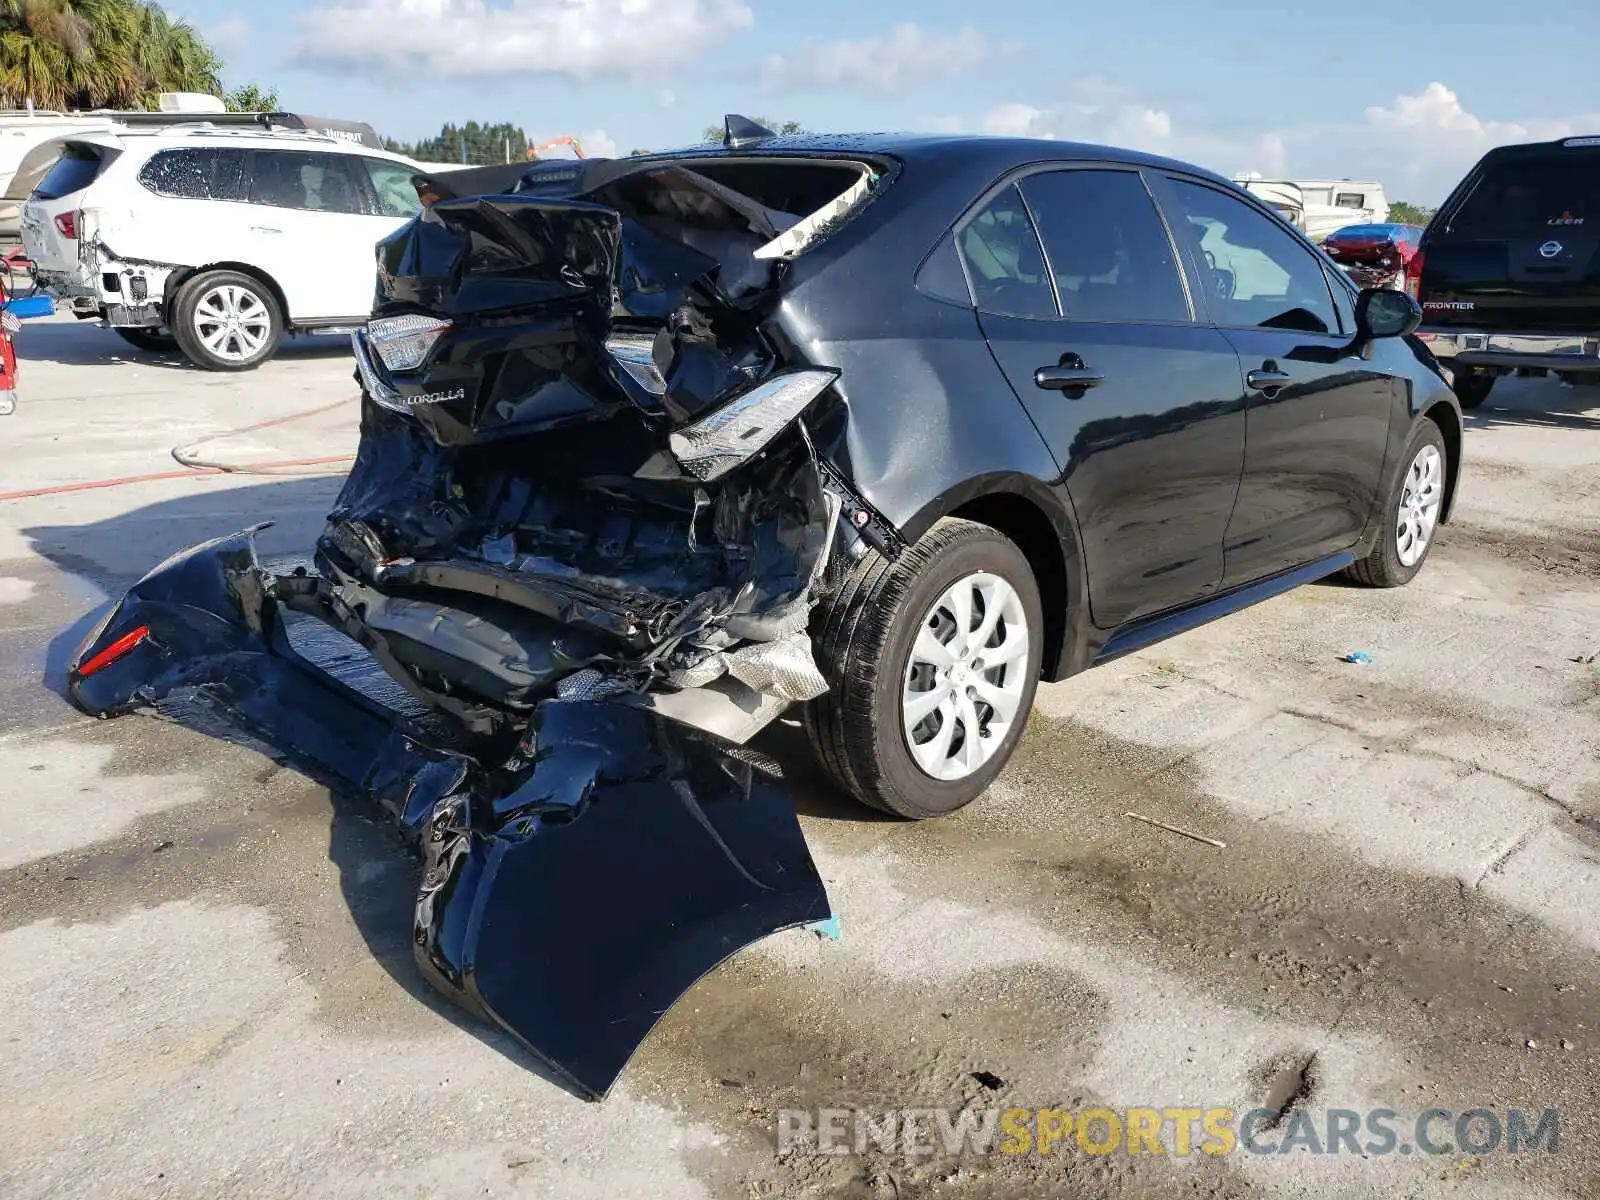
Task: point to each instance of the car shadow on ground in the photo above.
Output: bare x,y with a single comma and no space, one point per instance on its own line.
1537,404
85,344
362,843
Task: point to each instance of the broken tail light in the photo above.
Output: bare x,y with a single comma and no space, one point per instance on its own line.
714,445
67,223
116,650
403,342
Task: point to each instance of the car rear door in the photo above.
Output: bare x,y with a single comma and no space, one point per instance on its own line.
1318,417
1139,402
1517,249
307,229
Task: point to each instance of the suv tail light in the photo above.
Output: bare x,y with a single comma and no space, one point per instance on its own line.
1414,275
67,223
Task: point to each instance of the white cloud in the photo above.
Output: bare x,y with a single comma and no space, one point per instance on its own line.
1418,145
1437,109
597,143
1135,126
458,38
1018,120
666,97
900,57
228,34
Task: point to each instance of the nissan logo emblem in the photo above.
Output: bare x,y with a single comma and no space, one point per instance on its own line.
1550,249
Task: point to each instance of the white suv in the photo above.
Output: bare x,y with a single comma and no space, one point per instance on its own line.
220,240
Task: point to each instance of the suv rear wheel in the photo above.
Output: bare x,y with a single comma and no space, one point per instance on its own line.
1472,387
934,659
227,321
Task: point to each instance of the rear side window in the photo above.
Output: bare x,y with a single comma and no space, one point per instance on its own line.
1004,265
1106,245
197,173
391,183
1524,196
297,179
1349,200
75,170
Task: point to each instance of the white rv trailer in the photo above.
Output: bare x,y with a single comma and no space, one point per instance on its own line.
1322,206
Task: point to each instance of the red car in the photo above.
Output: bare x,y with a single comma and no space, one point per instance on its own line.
1374,255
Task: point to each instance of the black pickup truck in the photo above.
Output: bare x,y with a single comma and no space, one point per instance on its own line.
1508,274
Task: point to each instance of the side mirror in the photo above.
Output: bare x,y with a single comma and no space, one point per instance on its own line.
1386,313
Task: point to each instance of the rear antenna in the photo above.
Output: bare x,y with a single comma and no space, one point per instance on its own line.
740,131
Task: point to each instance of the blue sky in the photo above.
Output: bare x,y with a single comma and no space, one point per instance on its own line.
1409,94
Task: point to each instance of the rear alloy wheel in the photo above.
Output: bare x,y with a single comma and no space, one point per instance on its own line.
1411,517
227,321
934,660
1472,388
963,682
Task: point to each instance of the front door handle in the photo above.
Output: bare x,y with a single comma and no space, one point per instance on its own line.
264,229
1267,378
1069,376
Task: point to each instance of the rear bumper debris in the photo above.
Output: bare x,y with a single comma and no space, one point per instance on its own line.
576,878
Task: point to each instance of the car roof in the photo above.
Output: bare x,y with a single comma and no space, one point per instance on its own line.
1003,153
1564,145
166,137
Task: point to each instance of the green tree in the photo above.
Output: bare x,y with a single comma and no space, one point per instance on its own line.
713,133
66,54
251,98
1409,214
472,143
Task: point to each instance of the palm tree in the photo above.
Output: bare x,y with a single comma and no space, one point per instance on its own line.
98,54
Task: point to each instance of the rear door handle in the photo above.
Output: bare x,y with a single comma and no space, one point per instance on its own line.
1069,375
1267,378
264,229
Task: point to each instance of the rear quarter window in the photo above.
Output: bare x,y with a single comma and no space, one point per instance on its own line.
75,170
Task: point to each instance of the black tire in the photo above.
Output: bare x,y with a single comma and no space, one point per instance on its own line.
1383,566
152,341
864,640
1472,388
260,301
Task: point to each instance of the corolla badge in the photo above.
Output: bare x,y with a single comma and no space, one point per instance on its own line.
443,397
1549,249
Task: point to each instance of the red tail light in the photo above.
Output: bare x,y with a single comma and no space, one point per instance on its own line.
67,223
1414,275
117,649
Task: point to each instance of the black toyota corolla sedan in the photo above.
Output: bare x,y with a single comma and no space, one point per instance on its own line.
889,428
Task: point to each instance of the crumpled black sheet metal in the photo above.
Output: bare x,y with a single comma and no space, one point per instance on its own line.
559,525
537,471
625,861
576,881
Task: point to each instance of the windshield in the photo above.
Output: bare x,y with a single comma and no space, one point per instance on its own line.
1524,196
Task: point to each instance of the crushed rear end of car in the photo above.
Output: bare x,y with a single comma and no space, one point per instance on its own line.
571,571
